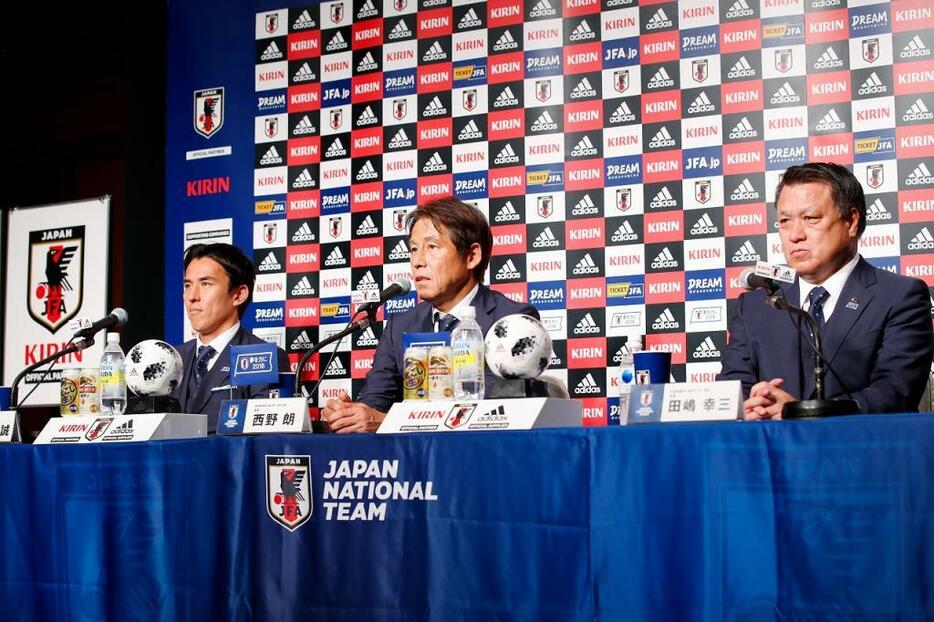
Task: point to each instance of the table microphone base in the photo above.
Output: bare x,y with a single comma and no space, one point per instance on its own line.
814,409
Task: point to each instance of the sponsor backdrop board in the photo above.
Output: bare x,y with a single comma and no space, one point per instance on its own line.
57,259
625,153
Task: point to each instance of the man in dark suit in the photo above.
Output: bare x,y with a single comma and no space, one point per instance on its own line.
217,288
451,244
875,326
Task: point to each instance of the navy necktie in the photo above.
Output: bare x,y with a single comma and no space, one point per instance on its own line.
445,324
816,296
201,363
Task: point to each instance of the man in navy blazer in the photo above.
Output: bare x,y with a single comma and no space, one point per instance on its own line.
451,244
217,288
876,326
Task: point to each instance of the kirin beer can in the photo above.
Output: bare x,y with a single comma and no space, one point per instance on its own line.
415,373
69,404
89,396
440,377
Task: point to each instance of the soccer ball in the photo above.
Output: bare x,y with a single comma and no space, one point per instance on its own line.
518,346
153,367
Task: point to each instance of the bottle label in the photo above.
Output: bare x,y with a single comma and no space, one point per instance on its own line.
110,378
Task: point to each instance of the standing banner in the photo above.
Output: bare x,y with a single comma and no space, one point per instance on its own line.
57,259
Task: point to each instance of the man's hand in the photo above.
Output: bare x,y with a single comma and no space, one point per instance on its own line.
766,400
344,415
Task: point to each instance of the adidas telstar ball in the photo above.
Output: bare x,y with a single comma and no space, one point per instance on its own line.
518,346
153,367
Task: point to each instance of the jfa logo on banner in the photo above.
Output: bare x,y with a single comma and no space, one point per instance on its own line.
56,275
288,490
209,111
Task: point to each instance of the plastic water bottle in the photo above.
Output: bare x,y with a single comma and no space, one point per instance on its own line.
112,377
627,374
468,361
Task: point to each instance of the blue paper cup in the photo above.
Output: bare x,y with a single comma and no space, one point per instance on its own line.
652,367
5,395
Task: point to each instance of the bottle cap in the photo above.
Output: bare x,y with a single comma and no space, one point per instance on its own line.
113,337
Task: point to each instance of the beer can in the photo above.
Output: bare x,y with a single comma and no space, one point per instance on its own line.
89,397
440,377
69,404
415,373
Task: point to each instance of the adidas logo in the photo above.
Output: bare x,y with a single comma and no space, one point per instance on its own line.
587,385
367,63
829,60
622,114
663,198
584,147
546,239
505,43
367,10
269,264
335,258
746,253
367,282
744,192
785,95
586,266
917,112
586,326
303,21
584,207
743,129
739,9
583,32
831,121
400,140
303,127
301,342
367,171
336,368
701,104
664,260
624,233
304,74
506,98
272,52
336,150
367,338
507,213
923,241
920,176
434,108
661,79
435,164
400,31
124,428
915,48
876,211
367,117
470,132
304,180
583,89
271,157
543,9
659,20
872,86
706,350
337,43
303,288
508,271
544,123
435,52
506,155
662,139
399,252
469,20
704,226
666,321
741,69
367,227
303,234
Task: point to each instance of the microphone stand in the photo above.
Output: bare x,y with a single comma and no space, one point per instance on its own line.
819,406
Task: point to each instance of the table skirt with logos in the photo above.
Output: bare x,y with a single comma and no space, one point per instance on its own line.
829,519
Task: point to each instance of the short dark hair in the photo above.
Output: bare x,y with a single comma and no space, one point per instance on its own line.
845,190
464,224
236,264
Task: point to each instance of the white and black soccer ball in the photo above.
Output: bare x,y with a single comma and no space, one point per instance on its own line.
518,346
153,367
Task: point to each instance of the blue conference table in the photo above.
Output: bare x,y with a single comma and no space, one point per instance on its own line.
828,519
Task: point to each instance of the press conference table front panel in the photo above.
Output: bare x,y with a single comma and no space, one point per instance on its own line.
829,519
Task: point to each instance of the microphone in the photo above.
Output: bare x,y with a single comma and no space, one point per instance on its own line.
766,276
118,317
399,287
750,280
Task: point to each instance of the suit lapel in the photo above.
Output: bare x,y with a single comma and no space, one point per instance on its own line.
217,376
857,295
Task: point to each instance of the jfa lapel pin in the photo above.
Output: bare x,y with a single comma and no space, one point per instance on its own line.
853,303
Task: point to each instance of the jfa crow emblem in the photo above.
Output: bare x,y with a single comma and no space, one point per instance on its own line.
56,275
699,70
870,49
875,175
459,415
288,490
209,111
337,12
98,428
783,60
272,22
702,190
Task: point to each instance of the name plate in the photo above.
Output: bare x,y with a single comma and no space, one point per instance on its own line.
504,414
9,431
681,402
264,416
122,428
